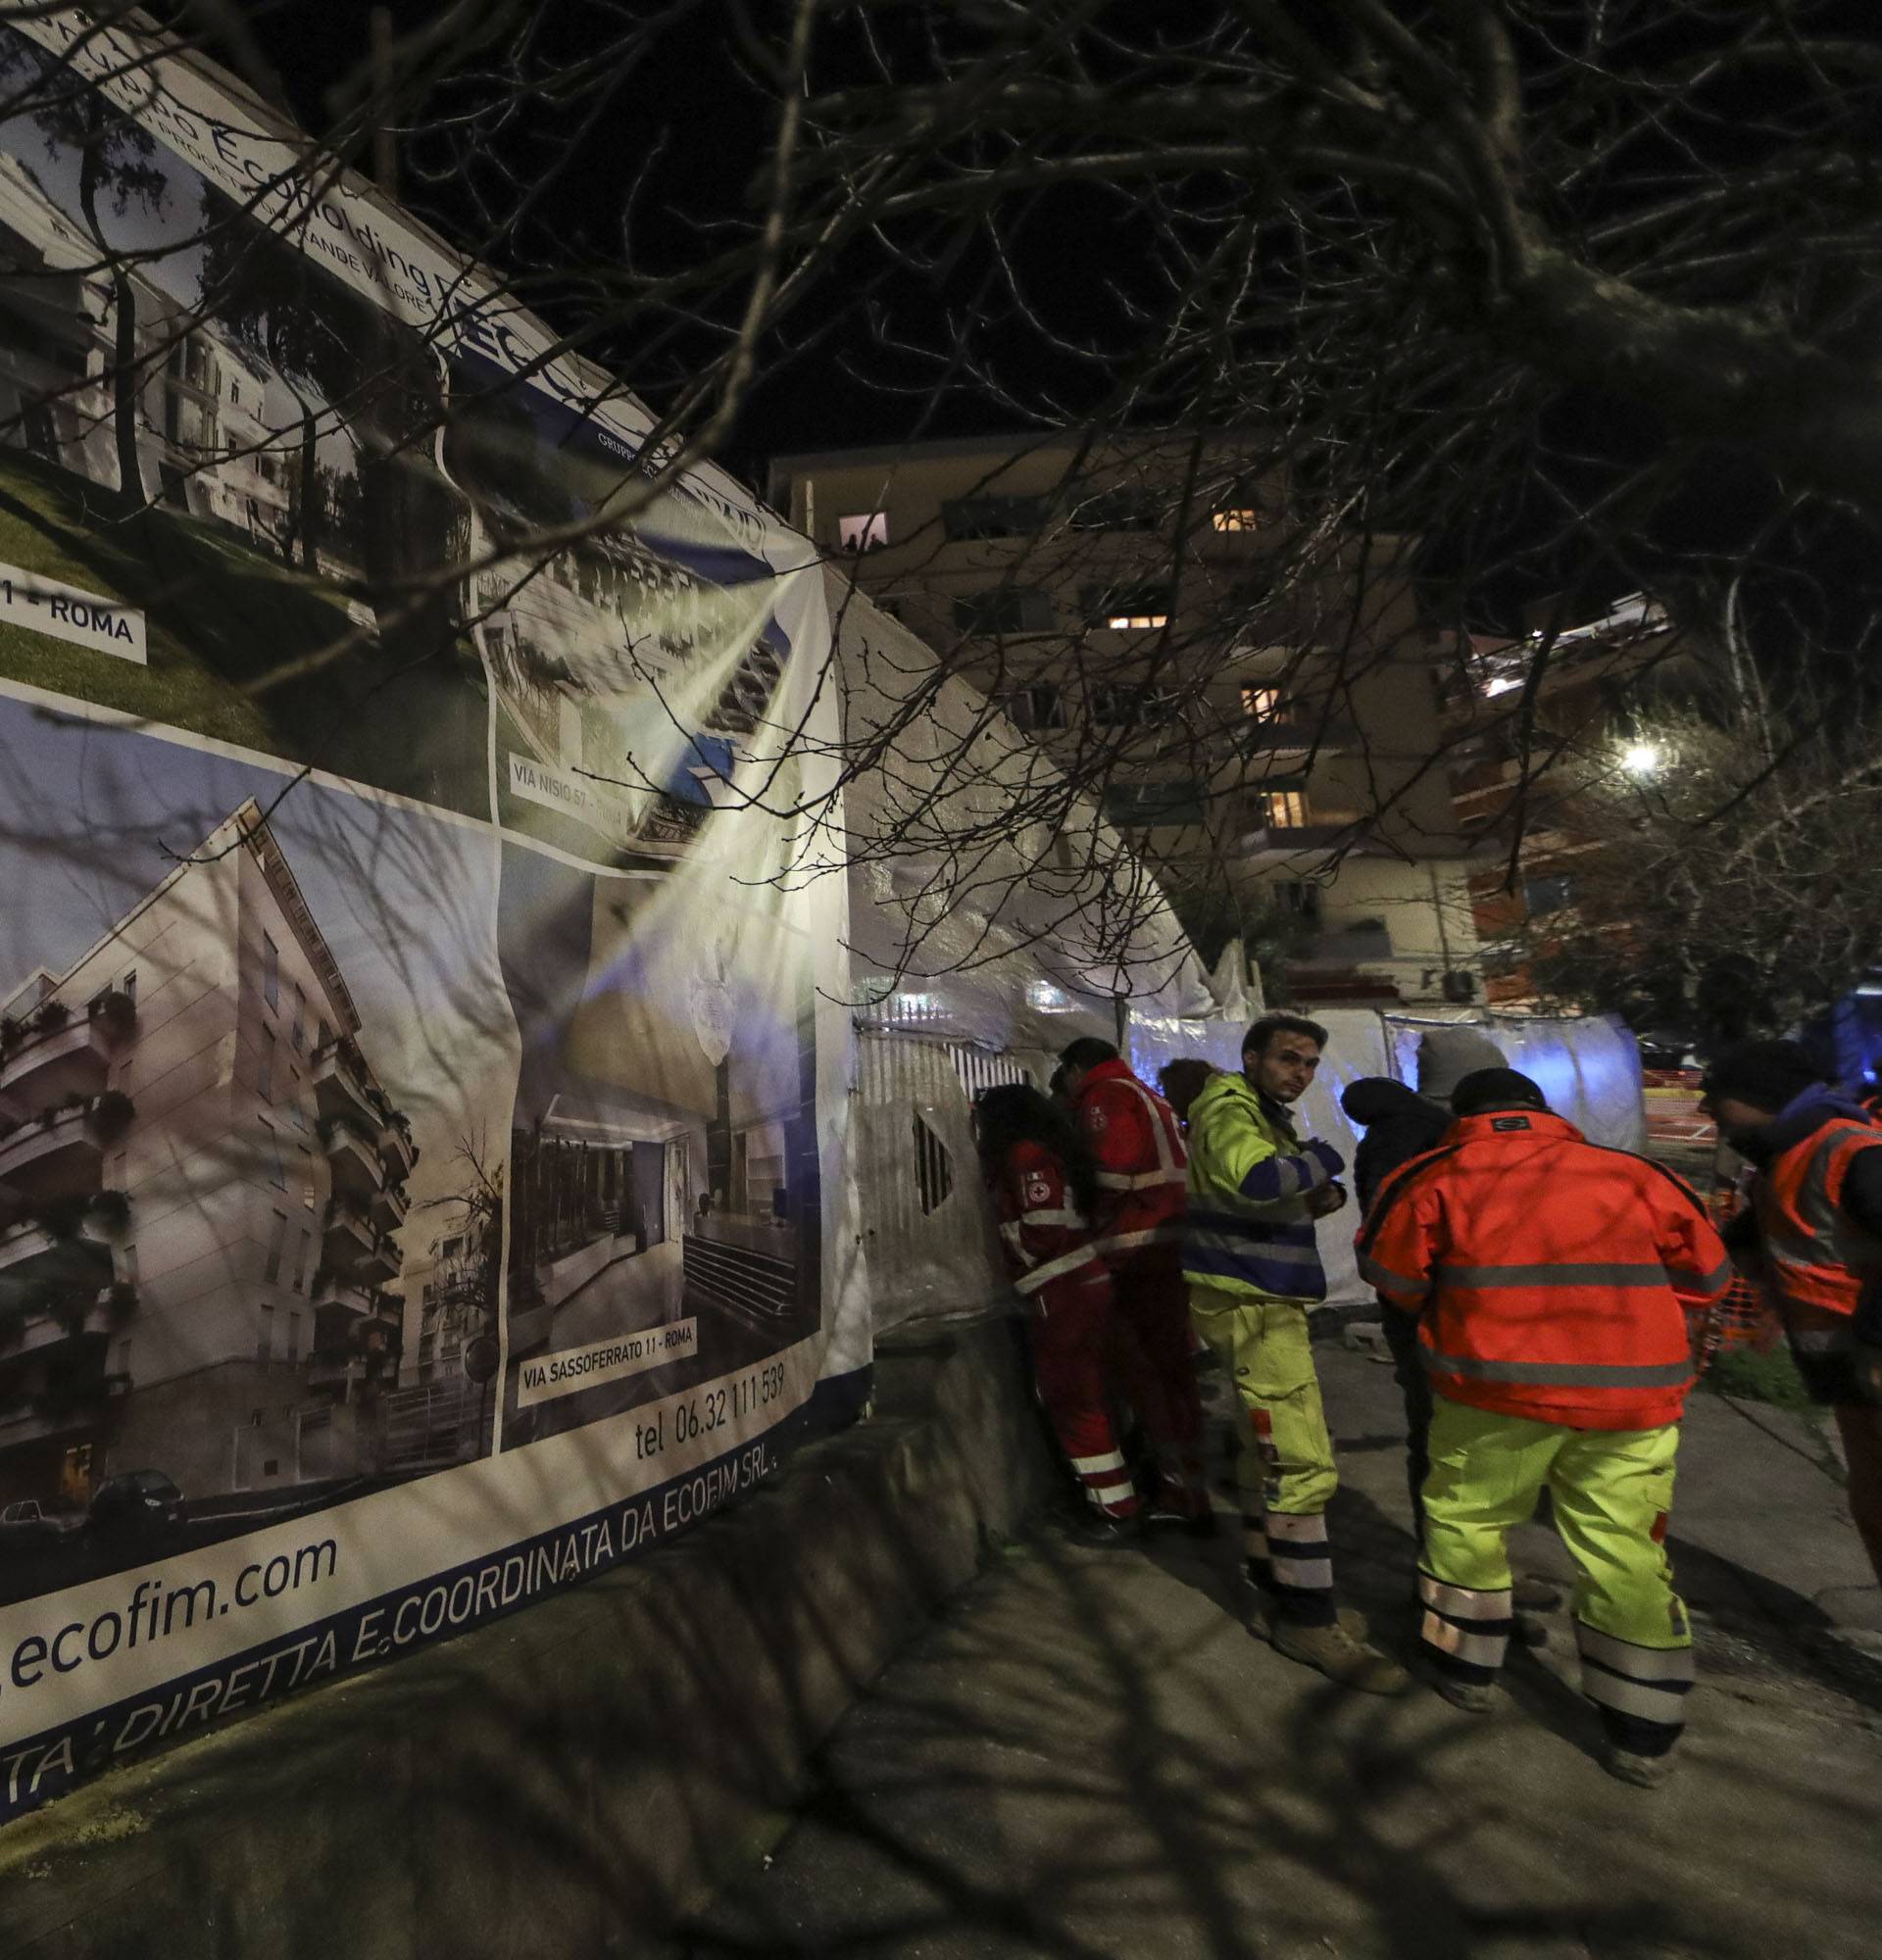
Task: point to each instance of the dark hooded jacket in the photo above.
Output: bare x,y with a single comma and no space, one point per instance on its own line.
1399,1124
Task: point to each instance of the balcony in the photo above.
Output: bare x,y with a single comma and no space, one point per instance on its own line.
1365,944
1306,737
390,1205
341,1302
352,1157
348,1236
41,1332
398,1150
1278,842
336,1371
23,1423
342,1090
58,1154
52,1064
32,1259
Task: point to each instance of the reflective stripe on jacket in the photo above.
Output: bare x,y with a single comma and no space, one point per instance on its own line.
1043,1234
1817,1260
1551,1276
1248,1231
1138,1142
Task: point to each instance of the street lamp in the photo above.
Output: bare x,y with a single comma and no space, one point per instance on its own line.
1640,759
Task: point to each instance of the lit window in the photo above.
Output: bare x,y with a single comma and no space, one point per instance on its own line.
1235,521
1128,608
1285,809
869,531
1264,704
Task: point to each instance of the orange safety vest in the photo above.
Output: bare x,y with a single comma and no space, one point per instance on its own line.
1142,1164
1817,1260
1551,1276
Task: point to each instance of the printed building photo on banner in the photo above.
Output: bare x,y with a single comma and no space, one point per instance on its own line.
254,1094
664,1200
253,496
631,672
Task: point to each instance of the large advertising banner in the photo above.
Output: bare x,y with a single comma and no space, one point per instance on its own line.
420,1057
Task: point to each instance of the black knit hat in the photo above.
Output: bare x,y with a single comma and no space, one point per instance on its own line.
1766,1074
1487,1089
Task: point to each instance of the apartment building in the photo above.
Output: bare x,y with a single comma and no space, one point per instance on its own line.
201,1179
624,684
203,432
1516,786
1269,743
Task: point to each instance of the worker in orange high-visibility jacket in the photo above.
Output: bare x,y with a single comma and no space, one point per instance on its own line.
1812,1240
1137,1143
1551,1280
1039,1177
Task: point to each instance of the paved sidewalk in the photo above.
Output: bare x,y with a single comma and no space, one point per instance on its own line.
1088,1757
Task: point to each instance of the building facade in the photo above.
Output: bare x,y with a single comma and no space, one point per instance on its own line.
203,438
202,1181
1271,743
1523,758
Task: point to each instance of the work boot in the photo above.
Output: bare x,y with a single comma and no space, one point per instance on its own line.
1103,1534
1167,1517
1334,1653
1474,1697
1264,1615
1629,1766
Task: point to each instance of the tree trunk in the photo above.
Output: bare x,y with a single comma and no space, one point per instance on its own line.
310,521
124,305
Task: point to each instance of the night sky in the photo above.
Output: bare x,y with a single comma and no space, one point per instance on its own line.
683,135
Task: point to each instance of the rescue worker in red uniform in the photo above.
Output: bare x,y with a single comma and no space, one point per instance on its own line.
1041,1180
1551,1279
1137,1143
1812,1240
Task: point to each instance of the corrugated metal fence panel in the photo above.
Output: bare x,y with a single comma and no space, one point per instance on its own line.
929,1234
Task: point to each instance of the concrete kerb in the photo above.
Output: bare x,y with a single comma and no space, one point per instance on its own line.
572,1778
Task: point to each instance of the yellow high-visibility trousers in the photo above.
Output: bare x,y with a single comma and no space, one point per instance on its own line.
1611,1491
1284,1470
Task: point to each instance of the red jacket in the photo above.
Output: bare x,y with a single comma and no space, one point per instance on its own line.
1551,1276
1142,1164
1047,1240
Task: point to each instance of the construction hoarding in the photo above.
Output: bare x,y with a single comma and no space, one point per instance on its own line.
421,1050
